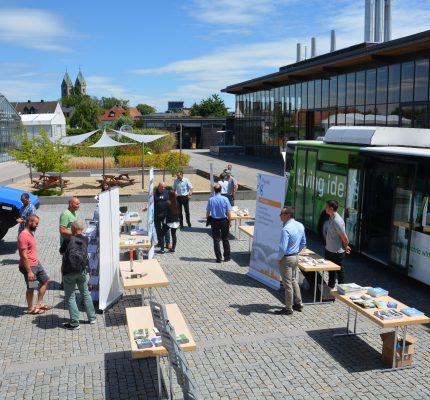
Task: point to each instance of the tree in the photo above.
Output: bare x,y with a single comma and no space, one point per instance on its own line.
42,154
108,102
145,109
213,106
86,113
122,120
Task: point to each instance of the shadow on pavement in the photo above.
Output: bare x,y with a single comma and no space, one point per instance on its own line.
197,259
9,261
48,320
8,247
115,315
351,352
131,379
248,309
10,310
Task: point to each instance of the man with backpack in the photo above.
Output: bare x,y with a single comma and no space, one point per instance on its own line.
75,257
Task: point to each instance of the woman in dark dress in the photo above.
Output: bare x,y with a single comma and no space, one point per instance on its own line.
172,219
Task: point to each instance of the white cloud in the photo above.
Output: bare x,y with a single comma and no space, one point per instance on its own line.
234,12
104,86
15,89
35,29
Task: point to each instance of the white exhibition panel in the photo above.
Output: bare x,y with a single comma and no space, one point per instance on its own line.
109,286
151,223
263,264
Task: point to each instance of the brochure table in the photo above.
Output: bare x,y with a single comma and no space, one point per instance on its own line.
249,231
153,276
396,323
319,267
141,318
234,216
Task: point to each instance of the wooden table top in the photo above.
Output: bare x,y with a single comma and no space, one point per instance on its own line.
369,312
234,215
155,275
141,318
247,229
325,266
139,242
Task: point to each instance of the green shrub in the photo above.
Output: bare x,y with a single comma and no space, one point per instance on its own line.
159,161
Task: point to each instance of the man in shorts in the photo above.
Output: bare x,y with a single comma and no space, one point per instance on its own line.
34,274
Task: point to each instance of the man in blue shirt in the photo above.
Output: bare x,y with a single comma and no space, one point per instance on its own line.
184,190
26,210
218,208
293,240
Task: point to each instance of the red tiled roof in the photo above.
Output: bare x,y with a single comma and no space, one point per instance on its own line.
117,111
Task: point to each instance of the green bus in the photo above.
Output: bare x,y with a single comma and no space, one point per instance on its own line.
380,177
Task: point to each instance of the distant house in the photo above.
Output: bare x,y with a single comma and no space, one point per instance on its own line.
46,115
117,111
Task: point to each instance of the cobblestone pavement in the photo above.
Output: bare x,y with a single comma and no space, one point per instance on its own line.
244,351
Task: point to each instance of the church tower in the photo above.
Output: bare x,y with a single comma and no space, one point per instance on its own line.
80,84
66,86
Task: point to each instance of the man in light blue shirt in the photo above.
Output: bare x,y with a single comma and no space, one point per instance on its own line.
218,208
184,190
293,240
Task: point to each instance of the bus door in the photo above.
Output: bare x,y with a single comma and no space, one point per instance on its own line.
305,186
387,209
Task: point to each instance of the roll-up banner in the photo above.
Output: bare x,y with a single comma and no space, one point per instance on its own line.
151,225
263,264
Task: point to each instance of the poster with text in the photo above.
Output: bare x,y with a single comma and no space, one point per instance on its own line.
419,257
263,264
151,225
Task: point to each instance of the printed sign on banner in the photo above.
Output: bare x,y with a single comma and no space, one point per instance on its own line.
267,230
419,257
151,225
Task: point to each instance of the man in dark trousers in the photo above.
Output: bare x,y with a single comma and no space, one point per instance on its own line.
75,252
184,190
161,197
218,208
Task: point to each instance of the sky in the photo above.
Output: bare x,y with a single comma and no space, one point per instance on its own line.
153,52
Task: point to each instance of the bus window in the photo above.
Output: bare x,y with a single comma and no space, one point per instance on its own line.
289,158
351,203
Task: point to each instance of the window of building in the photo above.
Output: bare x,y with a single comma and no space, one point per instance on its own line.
311,95
421,80
394,83
317,98
360,86
370,86
407,86
381,85
333,91
341,89
325,93
304,104
350,89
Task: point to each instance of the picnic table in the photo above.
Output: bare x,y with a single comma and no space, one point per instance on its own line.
119,180
49,182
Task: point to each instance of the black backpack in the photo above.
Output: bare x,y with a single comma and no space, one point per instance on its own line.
76,255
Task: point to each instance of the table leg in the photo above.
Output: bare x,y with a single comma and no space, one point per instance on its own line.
142,291
170,381
249,245
315,286
235,229
348,333
322,285
159,376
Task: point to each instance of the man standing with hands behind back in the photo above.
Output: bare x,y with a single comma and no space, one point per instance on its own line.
67,217
293,240
337,243
184,190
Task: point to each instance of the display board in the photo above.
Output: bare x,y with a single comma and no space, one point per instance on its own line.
109,288
151,225
263,264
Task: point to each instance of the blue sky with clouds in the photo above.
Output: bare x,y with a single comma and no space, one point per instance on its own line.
155,51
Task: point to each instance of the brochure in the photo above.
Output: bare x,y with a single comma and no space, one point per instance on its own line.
411,312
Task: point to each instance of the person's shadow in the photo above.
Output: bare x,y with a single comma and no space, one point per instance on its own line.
248,309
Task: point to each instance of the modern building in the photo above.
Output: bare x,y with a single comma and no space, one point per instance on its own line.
197,132
38,115
372,83
117,111
10,128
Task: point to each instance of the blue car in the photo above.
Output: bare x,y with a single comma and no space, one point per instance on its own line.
10,204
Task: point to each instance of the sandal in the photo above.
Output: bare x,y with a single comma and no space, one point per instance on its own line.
37,311
45,307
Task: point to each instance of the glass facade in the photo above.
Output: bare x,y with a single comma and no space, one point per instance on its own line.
389,95
10,127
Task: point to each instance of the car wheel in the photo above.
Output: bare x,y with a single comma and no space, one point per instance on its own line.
3,232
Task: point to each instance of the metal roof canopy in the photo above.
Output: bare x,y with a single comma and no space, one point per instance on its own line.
378,136
353,58
397,151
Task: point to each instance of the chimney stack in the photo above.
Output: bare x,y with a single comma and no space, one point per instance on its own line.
387,21
299,52
378,21
313,47
333,41
368,21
